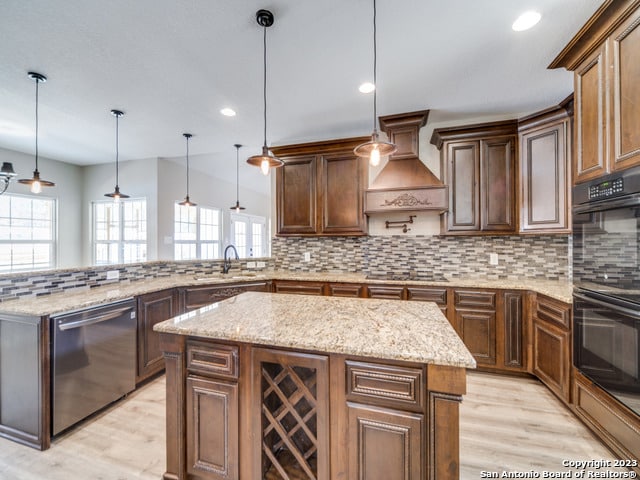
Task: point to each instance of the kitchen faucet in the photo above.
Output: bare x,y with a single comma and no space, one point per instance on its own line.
227,261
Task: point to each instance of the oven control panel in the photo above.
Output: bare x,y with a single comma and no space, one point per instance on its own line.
606,189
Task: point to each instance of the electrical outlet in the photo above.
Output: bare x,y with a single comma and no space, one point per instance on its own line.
261,264
251,264
113,274
493,259
307,256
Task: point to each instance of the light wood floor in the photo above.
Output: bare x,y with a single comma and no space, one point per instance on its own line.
510,424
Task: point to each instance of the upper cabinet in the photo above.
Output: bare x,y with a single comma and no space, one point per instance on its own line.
478,164
605,59
544,177
320,188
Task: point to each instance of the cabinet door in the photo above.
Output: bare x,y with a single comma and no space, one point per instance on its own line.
552,357
437,295
346,290
625,88
391,292
475,321
463,177
302,288
544,155
153,308
514,331
497,186
212,429
590,118
343,180
384,443
296,196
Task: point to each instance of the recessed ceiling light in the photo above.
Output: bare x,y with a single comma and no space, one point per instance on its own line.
367,87
228,112
525,21
8,128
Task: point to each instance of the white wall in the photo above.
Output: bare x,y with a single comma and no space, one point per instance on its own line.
204,190
138,179
67,178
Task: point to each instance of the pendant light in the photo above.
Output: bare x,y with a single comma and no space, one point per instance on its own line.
116,195
375,148
266,160
237,206
186,202
6,174
36,183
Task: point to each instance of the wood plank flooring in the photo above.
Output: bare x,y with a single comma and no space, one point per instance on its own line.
506,424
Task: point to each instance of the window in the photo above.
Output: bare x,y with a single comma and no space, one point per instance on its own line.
196,233
119,232
248,233
27,233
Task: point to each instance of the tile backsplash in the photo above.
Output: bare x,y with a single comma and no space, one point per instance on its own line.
543,257
44,283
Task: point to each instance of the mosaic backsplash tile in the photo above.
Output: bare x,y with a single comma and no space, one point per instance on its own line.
542,257
45,283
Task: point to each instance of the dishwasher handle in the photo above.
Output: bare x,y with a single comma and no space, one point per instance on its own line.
96,319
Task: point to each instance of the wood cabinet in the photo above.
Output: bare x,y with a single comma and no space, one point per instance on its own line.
438,295
346,290
200,296
545,152
320,188
475,321
551,345
302,288
391,292
153,308
604,56
478,165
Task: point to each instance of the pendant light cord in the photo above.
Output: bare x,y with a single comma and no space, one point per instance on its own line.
264,82
117,150
375,65
37,83
237,176
187,167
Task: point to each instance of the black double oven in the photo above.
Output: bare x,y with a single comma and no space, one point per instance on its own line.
606,277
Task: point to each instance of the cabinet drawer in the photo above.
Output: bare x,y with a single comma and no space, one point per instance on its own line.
386,291
302,288
345,290
473,298
427,294
553,311
213,359
386,385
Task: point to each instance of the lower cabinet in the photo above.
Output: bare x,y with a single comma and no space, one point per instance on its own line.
429,294
475,321
302,288
212,429
551,345
390,292
153,308
192,298
384,443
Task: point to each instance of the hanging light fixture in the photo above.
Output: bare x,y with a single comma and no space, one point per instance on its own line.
116,195
36,183
266,160
375,148
186,202
6,174
237,206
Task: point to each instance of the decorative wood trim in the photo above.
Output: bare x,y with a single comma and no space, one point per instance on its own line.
475,131
443,451
513,330
317,148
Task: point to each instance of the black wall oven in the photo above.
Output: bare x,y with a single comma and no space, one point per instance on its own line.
606,277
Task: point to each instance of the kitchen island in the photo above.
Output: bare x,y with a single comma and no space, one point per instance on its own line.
274,386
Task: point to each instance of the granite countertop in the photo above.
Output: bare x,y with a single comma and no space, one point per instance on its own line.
384,329
86,297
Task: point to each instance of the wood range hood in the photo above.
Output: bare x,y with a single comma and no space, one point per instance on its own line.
405,183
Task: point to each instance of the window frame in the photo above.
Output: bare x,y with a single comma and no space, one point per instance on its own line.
199,242
53,243
250,221
121,242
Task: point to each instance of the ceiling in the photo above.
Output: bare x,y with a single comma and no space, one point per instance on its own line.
171,65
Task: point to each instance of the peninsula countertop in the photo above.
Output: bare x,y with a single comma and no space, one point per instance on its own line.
385,329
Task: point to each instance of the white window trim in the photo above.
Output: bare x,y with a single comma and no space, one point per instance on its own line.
198,242
121,243
250,220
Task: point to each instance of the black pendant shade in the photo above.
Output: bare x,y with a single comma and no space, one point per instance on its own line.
237,206
116,195
36,183
187,202
375,148
265,160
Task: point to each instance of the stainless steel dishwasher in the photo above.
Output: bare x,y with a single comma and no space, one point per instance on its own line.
93,360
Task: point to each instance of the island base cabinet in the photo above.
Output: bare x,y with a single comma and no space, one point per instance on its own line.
384,444
212,429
